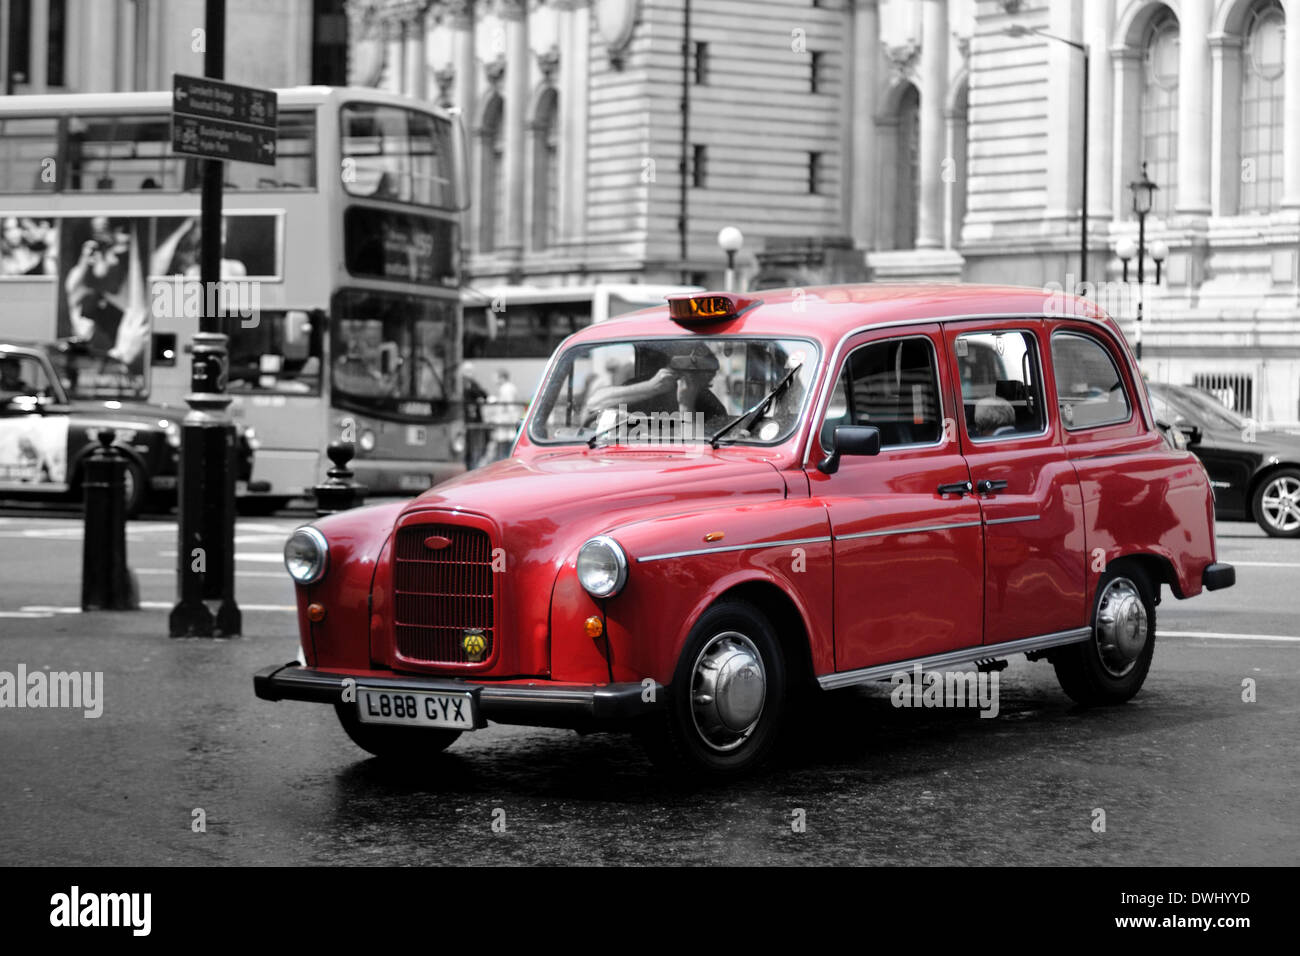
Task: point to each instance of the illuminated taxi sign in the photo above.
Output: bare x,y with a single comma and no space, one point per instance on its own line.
706,306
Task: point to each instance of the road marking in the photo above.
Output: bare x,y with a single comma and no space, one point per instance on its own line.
23,614
1265,564
1220,635
168,605
281,575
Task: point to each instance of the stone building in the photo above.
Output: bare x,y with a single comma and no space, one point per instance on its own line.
886,140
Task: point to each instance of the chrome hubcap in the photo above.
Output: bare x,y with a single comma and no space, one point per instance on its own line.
1281,503
728,689
1122,624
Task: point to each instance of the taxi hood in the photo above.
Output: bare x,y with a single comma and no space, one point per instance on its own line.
572,484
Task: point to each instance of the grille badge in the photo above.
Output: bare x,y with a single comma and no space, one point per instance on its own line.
475,644
436,542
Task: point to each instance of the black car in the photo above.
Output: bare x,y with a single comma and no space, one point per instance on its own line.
45,435
1255,472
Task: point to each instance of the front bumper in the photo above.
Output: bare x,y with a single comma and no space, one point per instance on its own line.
1217,576
535,703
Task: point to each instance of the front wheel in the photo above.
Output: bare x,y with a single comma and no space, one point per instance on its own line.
1111,666
727,700
391,743
1277,503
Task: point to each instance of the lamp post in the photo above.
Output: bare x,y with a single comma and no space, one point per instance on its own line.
1144,191
730,240
1020,30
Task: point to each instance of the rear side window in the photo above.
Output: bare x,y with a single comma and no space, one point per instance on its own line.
1001,390
892,385
1089,388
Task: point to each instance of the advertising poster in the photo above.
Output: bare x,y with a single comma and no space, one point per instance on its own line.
33,450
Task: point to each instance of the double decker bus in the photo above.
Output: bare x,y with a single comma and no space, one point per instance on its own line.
339,272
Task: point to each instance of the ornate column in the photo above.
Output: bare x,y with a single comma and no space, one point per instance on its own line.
1098,22
1225,163
415,29
1194,144
863,160
1064,116
575,64
1125,140
1291,122
394,54
934,89
515,15
460,17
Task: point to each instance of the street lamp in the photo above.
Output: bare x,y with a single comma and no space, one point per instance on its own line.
1020,30
1144,192
730,240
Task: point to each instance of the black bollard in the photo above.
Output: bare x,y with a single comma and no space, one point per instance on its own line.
339,491
107,584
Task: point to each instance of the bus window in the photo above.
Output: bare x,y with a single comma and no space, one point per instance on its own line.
116,153
28,148
522,331
396,154
390,353
282,353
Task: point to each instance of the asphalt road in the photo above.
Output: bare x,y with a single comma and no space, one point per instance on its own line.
1187,773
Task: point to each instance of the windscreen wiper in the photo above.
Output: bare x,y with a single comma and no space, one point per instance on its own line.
591,442
757,409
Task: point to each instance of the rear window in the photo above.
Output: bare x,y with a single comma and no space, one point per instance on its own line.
1089,388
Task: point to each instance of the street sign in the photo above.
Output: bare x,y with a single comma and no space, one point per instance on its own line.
217,120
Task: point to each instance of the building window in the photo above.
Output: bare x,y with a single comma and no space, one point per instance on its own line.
814,173
329,43
1262,67
546,171
699,165
701,64
56,43
20,53
1160,110
907,165
817,69
492,199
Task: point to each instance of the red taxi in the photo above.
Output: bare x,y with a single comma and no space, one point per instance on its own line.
718,505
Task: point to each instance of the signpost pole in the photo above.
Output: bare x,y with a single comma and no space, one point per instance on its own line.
206,553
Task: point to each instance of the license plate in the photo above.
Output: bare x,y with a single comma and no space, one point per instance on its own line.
413,482
417,708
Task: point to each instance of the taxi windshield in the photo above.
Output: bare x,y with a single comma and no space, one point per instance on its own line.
674,390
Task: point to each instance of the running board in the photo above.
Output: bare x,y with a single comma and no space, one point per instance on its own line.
966,655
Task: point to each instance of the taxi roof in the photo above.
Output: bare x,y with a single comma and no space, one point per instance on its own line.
830,312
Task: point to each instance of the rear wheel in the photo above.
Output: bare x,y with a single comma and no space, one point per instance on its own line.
1277,503
727,700
393,742
1111,666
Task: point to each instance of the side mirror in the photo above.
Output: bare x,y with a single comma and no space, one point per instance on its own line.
850,440
1191,432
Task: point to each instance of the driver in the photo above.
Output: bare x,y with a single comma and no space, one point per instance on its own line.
683,387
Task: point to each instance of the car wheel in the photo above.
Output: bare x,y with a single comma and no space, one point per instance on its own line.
1110,667
135,487
1277,503
393,742
727,700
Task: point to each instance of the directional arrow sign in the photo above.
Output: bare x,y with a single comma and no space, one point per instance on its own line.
218,120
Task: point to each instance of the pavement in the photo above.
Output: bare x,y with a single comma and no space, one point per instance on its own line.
1187,773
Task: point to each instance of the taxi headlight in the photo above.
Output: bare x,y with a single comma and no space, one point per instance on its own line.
306,555
602,567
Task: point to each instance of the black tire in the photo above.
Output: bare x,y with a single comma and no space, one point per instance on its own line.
1110,667
1274,524
681,738
389,743
137,489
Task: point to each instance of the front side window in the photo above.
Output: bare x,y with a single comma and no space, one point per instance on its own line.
661,390
1089,389
28,150
390,353
89,373
893,386
23,377
1001,392
397,154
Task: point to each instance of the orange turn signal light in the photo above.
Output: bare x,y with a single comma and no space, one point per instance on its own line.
594,626
315,613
